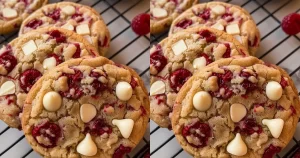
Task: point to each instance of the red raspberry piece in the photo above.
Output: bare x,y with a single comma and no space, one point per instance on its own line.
77,16
223,82
248,126
96,84
178,78
249,86
28,78
255,43
207,58
121,151
157,59
98,127
205,14
227,17
77,52
291,24
141,24
8,61
184,23
58,36
133,82
227,52
34,23
207,35
55,14
75,90
283,82
47,130
105,42
58,59
160,98
223,78
200,130
271,151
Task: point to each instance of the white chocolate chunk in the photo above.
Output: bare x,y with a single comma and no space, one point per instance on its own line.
237,112
238,37
237,146
124,91
87,112
49,63
159,13
125,126
68,27
29,47
7,87
219,9
218,26
202,101
275,126
52,101
199,63
88,38
274,90
83,29
9,13
179,47
87,146
157,87
69,10
233,29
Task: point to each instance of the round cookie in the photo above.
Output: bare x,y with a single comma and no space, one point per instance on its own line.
81,19
13,12
222,16
104,110
254,110
27,57
163,12
176,58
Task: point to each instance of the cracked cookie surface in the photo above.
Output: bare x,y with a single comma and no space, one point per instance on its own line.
81,19
253,110
26,58
176,58
119,116
222,16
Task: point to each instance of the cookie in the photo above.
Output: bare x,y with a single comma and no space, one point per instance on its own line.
13,12
163,12
27,57
81,19
98,109
236,107
222,16
176,58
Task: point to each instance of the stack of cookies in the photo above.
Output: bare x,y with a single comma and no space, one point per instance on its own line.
56,87
207,86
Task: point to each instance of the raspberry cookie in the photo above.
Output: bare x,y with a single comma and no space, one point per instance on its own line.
222,16
177,57
13,12
236,107
25,59
86,107
81,19
163,12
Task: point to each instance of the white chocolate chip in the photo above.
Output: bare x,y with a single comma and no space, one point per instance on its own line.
49,63
124,91
68,27
199,63
202,101
9,13
87,146
157,87
237,146
69,10
125,126
238,37
233,29
179,47
273,90
88,38
83,29
52,101
29,47
159,13
219,9
87,112
275,126
237,112
7,87
218,26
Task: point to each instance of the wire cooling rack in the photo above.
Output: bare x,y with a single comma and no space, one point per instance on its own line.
126,48
276,47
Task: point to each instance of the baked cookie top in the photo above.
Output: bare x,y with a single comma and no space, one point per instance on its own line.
176,58
13,12
222,16
26,58
81,19
236,107
86,107
163,12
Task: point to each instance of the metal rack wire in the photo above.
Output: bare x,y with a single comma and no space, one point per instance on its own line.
263,16
120,17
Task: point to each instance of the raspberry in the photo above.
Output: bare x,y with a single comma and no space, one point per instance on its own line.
47,131
228,17
58,59
178,78
205,14
77,52
158,60
291,24
8,61
133,82
184,23
77,16
28,78
207,35
55,14
121,151
34,23
57,36
227,52
75,91
283,82
105,42
98,127
199,130
207,58
141,24
271,151
248,126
